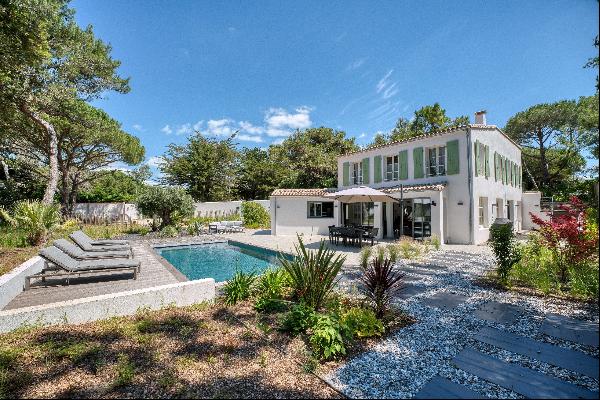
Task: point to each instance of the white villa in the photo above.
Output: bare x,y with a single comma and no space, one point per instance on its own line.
451,183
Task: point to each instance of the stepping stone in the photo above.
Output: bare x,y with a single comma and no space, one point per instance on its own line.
502,313
445,300
524,381
565,358
573,330
442,388
411,290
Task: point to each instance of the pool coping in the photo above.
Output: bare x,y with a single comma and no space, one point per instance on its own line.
180,276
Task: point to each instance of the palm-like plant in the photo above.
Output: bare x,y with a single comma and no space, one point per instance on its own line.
312,274
381,282
35,218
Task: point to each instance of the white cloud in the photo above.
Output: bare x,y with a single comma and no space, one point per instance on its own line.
198,126
184,129
154,161
356,64
167,130
249,138
219,127
383,82
250,128
280,122
138,127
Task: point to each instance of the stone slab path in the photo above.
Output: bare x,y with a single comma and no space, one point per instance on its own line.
570,329
442,388
472,342
561,357
522,380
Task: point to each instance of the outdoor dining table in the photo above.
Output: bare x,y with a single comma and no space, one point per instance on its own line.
355,234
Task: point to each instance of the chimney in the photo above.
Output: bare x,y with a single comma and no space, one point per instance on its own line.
480,118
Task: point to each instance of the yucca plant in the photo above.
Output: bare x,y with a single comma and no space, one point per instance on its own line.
35,218
312,274
381,282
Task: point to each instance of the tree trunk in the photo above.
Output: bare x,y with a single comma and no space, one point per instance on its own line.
52,152
73,198
5,169
544,163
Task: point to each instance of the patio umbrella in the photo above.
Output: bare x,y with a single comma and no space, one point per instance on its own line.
360,194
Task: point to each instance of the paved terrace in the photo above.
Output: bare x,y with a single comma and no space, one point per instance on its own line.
153,272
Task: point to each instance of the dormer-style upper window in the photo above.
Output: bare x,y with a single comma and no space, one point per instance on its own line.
436,161
357,177
391,168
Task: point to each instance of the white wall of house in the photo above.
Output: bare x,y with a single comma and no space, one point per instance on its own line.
499,199
531,205
289,215
455,196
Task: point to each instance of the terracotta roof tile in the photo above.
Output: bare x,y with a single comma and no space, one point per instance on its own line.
302,192
415,188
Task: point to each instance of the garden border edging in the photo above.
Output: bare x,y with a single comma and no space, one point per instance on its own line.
12,283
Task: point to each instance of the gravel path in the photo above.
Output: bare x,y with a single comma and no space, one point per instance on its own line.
401,365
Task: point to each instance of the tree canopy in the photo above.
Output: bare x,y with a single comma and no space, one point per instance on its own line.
552,136
425,120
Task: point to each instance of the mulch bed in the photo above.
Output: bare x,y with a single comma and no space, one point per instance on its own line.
199,351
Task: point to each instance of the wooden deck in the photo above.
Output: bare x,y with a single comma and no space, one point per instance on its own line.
154,271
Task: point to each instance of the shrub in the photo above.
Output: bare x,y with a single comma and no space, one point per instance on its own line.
168,231
138,230
270,290
312,274
365,255
436,242
299,319
362,323
393,252
502,241
239,287
168,204
571,236
381,282
35,218
327,337
255,216
409,249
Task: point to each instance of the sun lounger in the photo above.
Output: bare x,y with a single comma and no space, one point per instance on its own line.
76,252
82,240
67,267
103,242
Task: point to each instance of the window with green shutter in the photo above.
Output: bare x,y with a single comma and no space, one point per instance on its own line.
377,169
453,162
365,170
486,161
418,162
346,174
403,161
477,164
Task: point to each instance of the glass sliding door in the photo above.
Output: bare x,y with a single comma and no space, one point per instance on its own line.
421,218
359,214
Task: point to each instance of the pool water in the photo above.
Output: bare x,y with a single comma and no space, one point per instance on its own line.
218,260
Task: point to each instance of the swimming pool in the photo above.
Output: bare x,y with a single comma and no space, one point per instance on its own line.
218,260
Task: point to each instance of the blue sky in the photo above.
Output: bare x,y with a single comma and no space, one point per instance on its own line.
269,67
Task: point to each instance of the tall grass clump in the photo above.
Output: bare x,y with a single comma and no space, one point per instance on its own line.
35,218
239,287
312,274
365,256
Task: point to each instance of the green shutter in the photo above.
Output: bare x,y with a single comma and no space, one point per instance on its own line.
453,162
476,148
487,161
377,169
505,163
346,179
496,166
403,164
418,162
365,170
